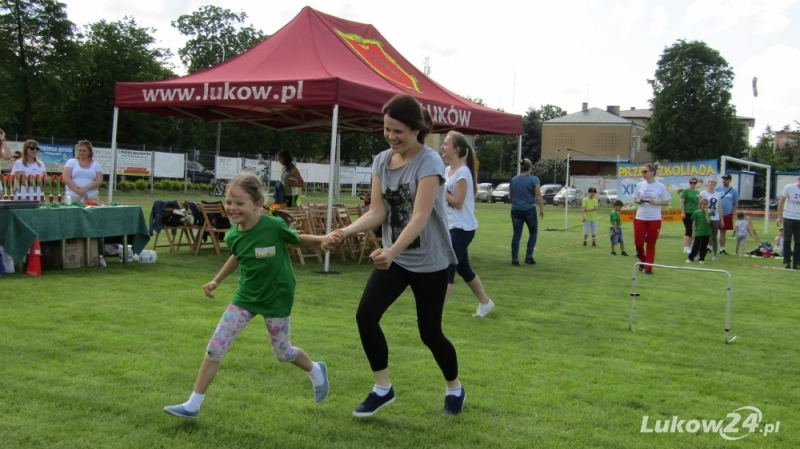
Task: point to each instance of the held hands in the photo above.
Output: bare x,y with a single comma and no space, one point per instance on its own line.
208,288
331,240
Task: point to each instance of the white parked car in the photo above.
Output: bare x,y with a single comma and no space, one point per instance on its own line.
574,197
610,196
484,192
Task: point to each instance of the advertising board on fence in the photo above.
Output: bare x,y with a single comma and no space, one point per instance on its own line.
134,163
55,156
674,175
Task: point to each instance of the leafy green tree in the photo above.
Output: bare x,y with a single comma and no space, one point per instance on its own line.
532,129
216,34
112,52
693,117
36,51
551,170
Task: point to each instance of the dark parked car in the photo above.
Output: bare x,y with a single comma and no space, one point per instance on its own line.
196,173
548,193
500,193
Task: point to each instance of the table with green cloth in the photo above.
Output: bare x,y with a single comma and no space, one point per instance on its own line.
20,227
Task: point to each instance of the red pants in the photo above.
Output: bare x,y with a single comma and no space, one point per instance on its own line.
649,229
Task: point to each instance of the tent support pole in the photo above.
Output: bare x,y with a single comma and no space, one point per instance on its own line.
112,177
519,154
331,182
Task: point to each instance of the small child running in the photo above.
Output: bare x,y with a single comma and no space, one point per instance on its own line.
616,229
742,231
266,287
701,232
590,206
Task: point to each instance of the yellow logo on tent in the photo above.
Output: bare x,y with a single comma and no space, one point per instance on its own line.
371,51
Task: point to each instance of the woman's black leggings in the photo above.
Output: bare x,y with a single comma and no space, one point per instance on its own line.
381,291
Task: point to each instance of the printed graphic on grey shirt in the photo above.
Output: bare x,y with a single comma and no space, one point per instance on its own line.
401,207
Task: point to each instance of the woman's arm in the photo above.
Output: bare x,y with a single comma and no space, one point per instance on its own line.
457,200
296,179
68,181
96,183
371,219
538,192
5,151
230,266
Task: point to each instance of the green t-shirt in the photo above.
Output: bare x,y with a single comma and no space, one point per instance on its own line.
613,217
701,227
690,201
590,203
266,277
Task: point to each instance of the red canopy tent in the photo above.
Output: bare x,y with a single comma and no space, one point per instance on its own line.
293,80
317,73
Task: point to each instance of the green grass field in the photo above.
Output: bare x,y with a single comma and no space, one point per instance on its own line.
93,355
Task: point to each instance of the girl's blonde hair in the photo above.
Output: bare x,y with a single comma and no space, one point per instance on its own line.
250,183
703,200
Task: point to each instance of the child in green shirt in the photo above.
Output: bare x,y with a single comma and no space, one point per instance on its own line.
266,287
590,206
701,232
616,229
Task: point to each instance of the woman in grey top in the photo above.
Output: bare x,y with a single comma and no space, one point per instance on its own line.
408,201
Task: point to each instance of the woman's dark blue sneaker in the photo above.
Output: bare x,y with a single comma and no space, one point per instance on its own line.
373,403
453,405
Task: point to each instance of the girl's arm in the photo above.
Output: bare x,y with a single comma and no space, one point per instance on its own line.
230,266
311,240
708,217
457,200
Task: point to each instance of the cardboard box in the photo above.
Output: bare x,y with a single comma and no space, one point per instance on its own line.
76,253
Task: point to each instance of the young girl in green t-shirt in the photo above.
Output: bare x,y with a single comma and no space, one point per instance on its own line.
266,287
701,232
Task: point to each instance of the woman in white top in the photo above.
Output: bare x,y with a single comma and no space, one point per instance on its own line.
714,209
5,153
789,212
29,164
82,175
649,195
460,187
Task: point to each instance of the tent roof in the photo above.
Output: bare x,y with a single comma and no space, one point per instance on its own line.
293,79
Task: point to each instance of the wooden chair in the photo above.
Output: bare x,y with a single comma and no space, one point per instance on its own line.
302,225
342,218
370,243
210,211
179,231
318,216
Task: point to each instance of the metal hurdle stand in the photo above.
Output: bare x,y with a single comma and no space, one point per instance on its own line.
634,294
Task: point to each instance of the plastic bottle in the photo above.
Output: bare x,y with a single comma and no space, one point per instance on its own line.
102,261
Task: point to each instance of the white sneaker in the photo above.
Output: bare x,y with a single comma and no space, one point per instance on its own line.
689,260
702,261
714,258
484,309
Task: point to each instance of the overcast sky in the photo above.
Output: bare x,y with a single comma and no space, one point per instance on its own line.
515,55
